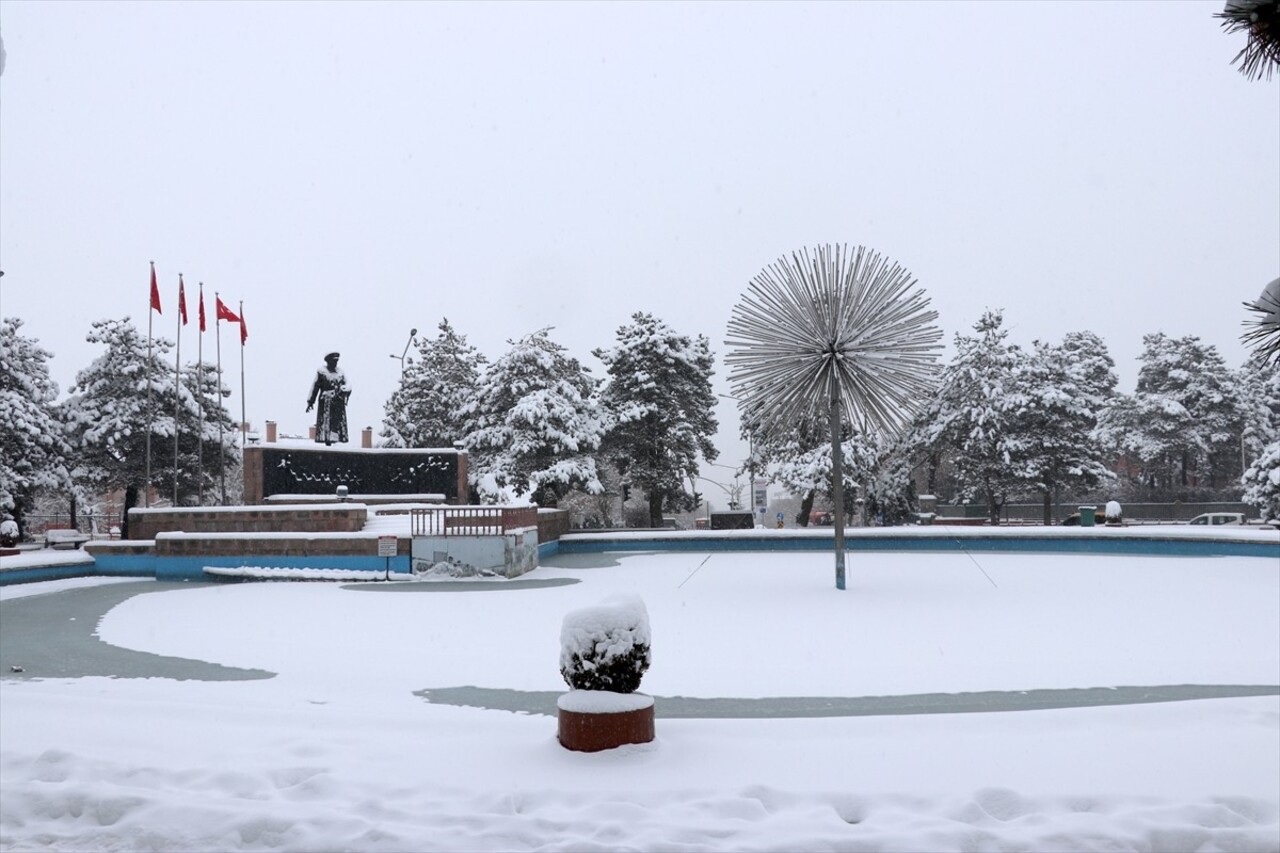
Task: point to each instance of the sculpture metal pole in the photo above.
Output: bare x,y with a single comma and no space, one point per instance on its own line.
837,481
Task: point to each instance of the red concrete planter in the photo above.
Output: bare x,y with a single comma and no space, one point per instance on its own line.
593,720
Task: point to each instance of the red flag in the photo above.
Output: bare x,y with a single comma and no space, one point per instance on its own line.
202,306
155,291
225,313
182,301
244,327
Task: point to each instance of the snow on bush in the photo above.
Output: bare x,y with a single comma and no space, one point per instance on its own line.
1115,515
606,647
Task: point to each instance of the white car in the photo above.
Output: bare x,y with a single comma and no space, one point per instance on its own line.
1218,518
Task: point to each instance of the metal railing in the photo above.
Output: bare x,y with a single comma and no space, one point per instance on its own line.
35,524
471,520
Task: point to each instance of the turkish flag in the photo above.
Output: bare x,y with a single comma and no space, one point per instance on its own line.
225,313
155,291
244,327
182,301
202,306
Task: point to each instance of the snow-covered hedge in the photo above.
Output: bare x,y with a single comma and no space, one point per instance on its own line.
606,647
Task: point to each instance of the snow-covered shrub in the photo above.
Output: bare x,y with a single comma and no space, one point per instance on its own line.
1115,515
606,647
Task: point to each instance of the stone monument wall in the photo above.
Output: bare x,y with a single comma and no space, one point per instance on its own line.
303,469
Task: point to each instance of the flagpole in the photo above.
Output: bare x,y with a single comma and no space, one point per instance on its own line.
146,477
217,334
200,398
244,425
177,385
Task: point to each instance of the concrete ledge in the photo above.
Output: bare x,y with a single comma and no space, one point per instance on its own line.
120,548
1010,540
184,556
193,568
250,545
46,573
368,500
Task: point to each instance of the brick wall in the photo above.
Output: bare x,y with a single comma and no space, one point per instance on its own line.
253,475
552,524
146,523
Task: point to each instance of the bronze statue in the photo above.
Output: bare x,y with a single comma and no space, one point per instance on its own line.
331,389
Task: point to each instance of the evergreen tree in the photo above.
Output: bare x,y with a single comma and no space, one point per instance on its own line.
1258,393
890,485
799,460
1183,420
427,409
1262,482
974,415
659,405
107,415
203,421
534,424
33,449
1260,403
1062,388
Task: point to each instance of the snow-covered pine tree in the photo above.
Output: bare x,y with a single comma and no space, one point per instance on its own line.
974,414
107,418
33,449
427,409
1063,390
890,486
204,404
1260,405
659,406
1262,482
799,460
1258,393
1183,420
534,424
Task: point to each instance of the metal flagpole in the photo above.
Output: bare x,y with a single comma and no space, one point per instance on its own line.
217,335
200,399
146,477
244,425
177,383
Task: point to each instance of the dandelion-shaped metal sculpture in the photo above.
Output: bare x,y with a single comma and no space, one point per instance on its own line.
839,330
1259,20
1263,335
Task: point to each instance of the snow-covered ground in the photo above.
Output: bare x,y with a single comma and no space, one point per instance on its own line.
337,752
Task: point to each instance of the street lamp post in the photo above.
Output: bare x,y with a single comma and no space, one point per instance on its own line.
751,455
734,492
409,343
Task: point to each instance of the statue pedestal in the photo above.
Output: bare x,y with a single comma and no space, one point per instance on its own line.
594,720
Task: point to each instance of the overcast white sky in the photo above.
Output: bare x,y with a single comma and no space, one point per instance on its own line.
351,171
